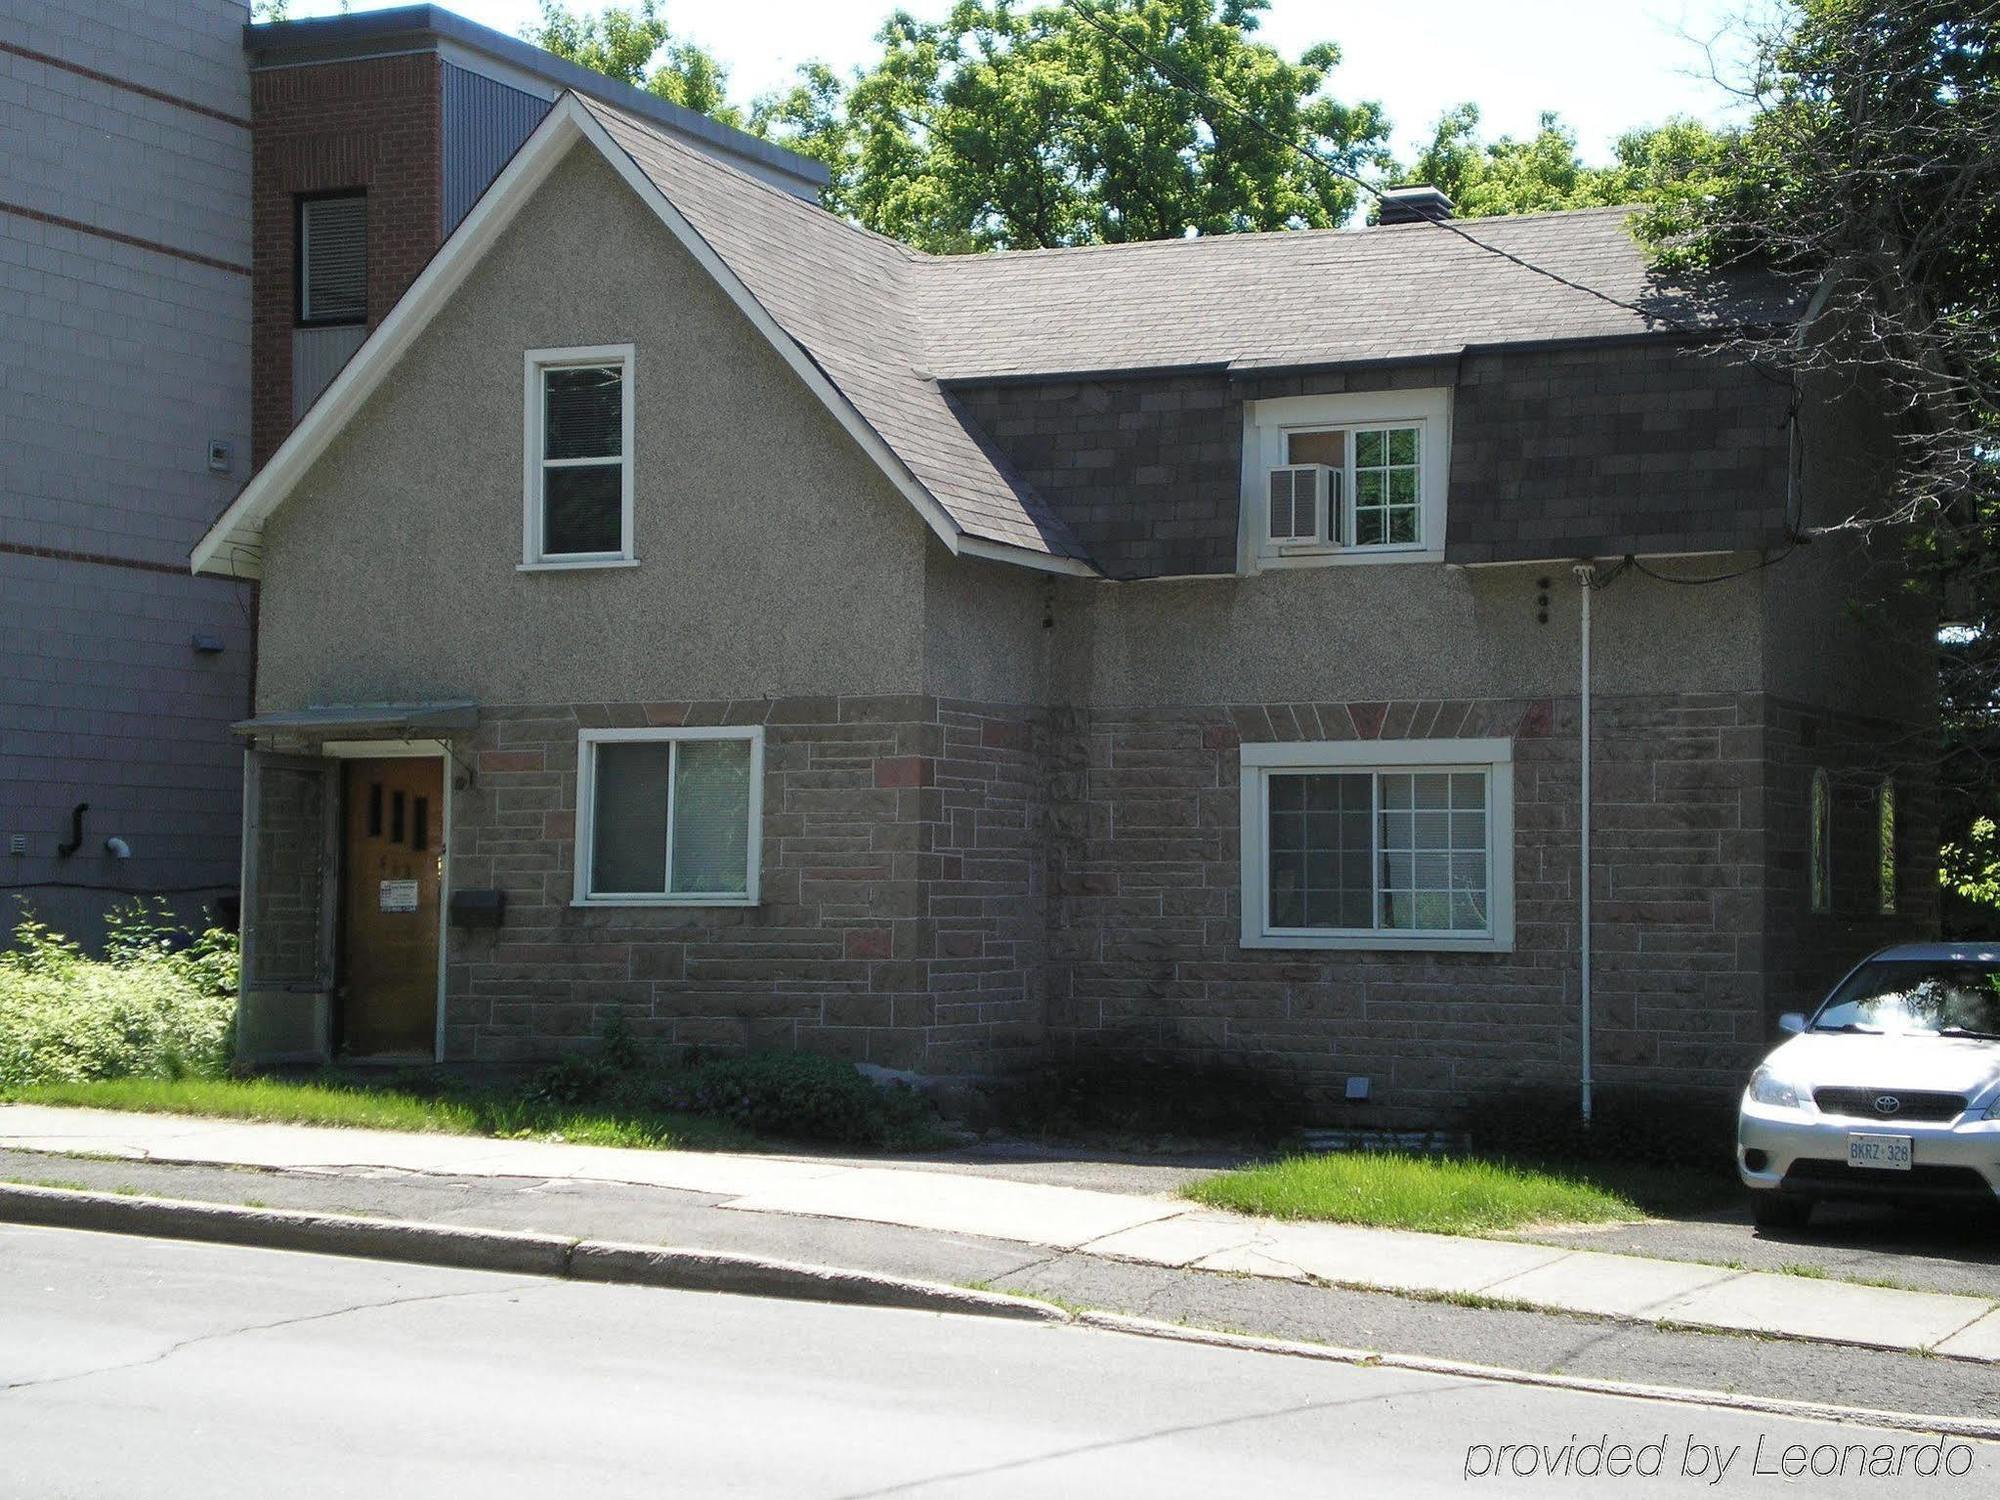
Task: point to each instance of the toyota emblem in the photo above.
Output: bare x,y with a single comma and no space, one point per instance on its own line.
1887,1104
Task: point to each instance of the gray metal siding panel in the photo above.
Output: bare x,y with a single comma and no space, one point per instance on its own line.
485,122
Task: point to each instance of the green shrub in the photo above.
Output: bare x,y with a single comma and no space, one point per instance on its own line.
154,1006
1664,1127
1143,1095
797,1096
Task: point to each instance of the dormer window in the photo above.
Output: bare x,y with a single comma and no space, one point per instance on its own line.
1346,478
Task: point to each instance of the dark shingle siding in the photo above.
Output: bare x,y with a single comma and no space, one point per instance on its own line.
1144,471
1650,447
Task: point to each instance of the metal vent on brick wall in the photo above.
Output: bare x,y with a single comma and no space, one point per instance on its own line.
333,259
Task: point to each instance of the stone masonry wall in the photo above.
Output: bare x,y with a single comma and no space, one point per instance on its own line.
1145,907
1809,950
901,920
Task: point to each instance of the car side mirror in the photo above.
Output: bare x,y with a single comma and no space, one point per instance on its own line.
1792,1022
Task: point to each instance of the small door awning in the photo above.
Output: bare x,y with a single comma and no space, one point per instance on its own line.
367,721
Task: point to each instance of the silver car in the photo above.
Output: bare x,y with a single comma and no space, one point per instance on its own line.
1890,1090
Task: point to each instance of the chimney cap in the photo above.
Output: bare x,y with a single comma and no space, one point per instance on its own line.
1411,202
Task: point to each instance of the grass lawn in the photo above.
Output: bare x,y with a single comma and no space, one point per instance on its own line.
1453,1195
463,1111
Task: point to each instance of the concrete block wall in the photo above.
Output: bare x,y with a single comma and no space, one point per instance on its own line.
899,924
125,303
1145,907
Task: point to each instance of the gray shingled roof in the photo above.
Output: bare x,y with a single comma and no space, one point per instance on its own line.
888,324
845,296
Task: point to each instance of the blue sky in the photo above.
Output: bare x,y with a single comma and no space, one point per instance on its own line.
1604,65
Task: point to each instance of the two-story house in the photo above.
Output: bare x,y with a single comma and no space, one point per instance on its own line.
690,609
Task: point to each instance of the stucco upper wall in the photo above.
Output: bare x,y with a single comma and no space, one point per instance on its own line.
984,636
774,558
1398,631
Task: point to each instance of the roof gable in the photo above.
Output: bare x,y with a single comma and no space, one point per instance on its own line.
989,526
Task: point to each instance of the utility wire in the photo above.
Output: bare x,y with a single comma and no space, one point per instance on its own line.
1179,80
1166,70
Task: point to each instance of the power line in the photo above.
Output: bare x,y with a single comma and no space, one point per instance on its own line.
1179,80
1214,101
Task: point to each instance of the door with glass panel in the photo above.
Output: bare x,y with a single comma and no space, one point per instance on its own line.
392,866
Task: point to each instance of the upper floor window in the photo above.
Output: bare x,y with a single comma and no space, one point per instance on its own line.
332,239
1354,477
577,510
1378,844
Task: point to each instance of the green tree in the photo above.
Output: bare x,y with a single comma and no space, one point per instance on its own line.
1508,176
1004,125
635,46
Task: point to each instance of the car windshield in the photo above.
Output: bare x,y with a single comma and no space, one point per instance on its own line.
1934,997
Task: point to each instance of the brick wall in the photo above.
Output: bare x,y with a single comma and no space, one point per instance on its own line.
901,920
373,124
1145,907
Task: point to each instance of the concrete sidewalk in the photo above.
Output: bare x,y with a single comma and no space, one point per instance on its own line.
1137,1229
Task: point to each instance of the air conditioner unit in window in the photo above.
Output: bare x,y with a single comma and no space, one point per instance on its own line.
1301,494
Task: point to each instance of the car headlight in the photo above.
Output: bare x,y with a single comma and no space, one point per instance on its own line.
1767,1088
1992,1111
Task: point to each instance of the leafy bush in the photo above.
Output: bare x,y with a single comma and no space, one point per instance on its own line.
792,1095
157,1005
801,1097
1136,1095
1683,1128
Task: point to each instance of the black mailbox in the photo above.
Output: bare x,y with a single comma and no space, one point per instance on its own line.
478,908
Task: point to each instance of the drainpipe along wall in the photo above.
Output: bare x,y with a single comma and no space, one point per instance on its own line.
1586,577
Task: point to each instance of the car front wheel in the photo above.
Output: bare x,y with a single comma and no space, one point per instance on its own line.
1780,1210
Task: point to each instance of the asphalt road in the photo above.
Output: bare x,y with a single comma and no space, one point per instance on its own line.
148,1367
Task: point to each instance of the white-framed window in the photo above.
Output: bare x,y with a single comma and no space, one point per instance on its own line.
577,444
1379,844
1349,478
669,817
1885,847
1819,850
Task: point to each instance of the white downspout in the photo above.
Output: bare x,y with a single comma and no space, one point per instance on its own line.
1586,576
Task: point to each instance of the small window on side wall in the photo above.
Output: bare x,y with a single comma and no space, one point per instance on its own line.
1820,851
669,817
332,247
1885,848
577,510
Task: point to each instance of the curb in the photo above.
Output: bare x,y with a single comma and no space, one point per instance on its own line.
509,1251
613,1263
1777,1406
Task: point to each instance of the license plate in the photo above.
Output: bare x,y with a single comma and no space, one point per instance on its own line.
1887,1153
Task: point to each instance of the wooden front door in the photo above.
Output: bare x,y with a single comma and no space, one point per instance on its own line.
392,863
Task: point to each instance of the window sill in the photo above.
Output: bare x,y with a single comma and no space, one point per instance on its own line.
1321,557
1378,942
576,565
626,902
